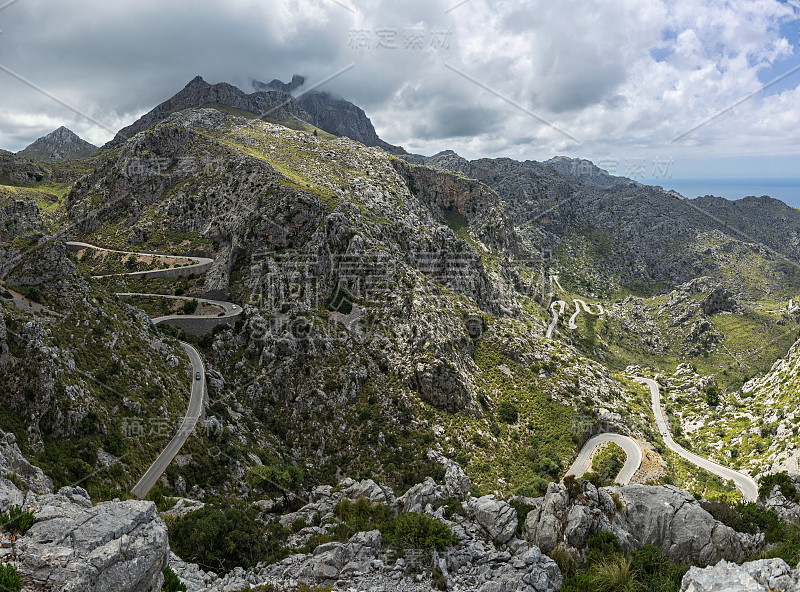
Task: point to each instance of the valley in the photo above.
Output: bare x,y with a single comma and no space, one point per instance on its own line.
353,317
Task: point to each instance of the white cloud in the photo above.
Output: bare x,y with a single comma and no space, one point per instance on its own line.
623,76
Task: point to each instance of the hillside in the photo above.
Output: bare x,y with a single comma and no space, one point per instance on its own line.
431,324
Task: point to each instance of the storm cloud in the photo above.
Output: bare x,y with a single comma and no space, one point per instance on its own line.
527,79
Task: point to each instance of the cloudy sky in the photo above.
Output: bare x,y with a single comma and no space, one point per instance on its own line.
659,90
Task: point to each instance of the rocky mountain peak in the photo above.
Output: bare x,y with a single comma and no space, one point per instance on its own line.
287,87
333,114
61,144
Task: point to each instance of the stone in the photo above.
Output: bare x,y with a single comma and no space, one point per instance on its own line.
666,517
78,548
765,575
499,518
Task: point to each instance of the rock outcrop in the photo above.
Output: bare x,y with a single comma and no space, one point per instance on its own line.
765,575
332,114
77,547
666,517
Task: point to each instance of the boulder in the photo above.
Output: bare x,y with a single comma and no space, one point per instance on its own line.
765,575
77,547
421,494
666,517
498,518
456,481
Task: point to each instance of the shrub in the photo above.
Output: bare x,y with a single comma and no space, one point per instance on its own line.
507,412
225,535
522,513
17,520
420,531
34,293
601,546
171,582
767,482
190,306
9,578
712,395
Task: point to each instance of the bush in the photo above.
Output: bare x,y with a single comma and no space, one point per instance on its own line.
507,412
788,489
712,395
420,531
225,535
9,578
190,306
17,520
171,582
34,293
602,546
522,514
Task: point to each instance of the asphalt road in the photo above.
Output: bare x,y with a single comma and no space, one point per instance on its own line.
145,484
197,395
578,303
584,461
231,309
197,262
553,323
746,485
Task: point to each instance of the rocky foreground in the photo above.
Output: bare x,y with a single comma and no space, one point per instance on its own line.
123,545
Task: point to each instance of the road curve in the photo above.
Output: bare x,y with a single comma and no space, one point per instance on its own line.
231,309
584,461
145,484
578,303
197,395
199,264
745,484
553,323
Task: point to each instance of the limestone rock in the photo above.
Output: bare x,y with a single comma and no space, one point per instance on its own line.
498,518
765,575
665,517
79,548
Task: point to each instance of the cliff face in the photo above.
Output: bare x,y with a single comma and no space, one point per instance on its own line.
332,114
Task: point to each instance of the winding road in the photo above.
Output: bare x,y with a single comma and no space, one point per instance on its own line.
583,463
578,303
197,394
745,484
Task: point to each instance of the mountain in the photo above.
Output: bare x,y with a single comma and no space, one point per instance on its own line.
614,233
61,144
276,105
332,114
452,333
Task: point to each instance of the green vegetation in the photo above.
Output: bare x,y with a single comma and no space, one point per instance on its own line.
17,520
9,578
171,582
227,534
782,479
606,465
610,569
